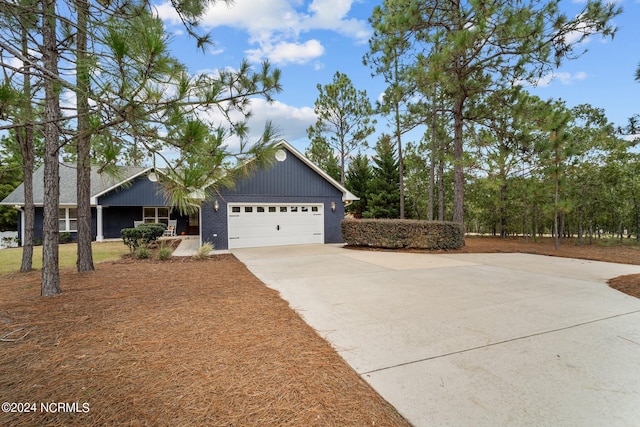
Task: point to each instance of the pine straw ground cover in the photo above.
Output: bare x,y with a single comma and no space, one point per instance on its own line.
175,343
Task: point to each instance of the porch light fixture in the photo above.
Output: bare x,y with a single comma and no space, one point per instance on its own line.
216,205
333,206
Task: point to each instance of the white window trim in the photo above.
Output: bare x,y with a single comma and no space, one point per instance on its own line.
67,220
156,218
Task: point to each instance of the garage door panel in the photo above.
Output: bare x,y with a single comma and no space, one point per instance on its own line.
252,225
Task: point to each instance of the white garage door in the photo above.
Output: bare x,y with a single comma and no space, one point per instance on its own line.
252,225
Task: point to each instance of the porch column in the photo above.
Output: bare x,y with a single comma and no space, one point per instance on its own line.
22,228
99,235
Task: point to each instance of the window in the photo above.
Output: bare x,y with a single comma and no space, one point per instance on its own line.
235,209
304,209
272,208
248,209
314,209
155,215
194,220
283,208
67,219
260,209
294,209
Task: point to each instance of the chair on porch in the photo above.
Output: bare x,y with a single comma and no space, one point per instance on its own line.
171,228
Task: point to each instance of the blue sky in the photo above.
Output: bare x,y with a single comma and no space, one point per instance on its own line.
311,40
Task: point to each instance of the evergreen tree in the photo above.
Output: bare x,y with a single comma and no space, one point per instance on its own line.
384,191
358,181
320,153
10,177
344,118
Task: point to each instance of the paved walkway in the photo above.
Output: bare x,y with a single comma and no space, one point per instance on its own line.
188,246
472,339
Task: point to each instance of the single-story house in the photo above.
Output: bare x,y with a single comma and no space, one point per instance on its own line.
292,202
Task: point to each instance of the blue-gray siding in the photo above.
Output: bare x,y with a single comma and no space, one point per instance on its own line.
291,178
291,181
39,222
141,192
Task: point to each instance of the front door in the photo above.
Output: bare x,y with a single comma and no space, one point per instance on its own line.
193,225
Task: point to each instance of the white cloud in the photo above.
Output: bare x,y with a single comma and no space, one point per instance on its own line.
574,36
167,13
68,102
276,25
283,53
15,63
291,122
332,15
546,80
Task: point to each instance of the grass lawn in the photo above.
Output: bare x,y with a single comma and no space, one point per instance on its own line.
10,259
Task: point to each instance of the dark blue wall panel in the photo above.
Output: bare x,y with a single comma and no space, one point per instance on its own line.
114,219
291,177
141,192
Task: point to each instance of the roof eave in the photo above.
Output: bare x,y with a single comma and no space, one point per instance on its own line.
94,198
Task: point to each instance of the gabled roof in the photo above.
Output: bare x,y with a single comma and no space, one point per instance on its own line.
347,196
101,183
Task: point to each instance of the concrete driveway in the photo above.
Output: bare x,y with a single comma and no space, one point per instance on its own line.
471,339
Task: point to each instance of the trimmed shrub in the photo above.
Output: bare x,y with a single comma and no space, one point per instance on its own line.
64,237
397,233
141,235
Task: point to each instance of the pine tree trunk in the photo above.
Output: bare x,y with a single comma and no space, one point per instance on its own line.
441,187
50,265
25,138
83,141
458,166
400,162
432,159
29,209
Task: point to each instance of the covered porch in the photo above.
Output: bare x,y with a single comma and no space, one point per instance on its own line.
110,220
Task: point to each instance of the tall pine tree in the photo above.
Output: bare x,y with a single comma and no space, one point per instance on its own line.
358,181
384,190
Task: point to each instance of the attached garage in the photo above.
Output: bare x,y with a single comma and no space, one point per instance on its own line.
264,224
292,202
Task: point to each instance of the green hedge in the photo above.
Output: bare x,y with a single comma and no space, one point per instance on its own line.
141,235
397,233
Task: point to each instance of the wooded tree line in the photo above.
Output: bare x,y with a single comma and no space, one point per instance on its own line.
492,155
